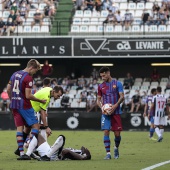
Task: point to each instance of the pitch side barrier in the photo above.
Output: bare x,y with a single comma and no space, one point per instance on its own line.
75,119
84,47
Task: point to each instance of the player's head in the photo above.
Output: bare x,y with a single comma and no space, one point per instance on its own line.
159,89
153,91
33,66
105,73
47,82
57,92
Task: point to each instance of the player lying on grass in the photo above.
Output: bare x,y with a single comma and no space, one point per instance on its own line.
56,151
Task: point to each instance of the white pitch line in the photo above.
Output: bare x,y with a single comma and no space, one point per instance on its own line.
156,165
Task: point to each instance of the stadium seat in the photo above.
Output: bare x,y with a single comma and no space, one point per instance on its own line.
45,28
149,5
146,83
143,87
28,21
135,28
71,95
122,13
35,28
74,87
92,28
140,6
153,28
135,87
154,83
101,20
164,79
46,21
27,29
35,5
31,14
74,104
79,13
87,13
73,92
104,13
132,12
41,6
85,21
94,21
167,91
132,93
129,30
95,14
168,28
121,79
18,29
138,79
123,6
109,28
138,13
162,28
118,28
76,21
84,28
5,14
57,103
144,28
137,83
100,28
132,5
0,13
162,83
82,104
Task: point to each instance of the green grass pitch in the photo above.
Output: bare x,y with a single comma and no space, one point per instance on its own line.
136,152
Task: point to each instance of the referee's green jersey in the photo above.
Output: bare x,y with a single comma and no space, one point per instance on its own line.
43,94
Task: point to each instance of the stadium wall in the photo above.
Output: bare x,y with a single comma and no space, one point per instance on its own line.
81,120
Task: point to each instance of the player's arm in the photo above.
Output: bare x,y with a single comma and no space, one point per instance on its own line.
99,101
145,109
30,96
9,89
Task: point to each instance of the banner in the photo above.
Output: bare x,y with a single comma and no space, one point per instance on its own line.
26,47
83,47
120,47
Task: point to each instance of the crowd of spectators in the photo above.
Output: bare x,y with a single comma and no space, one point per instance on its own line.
19,11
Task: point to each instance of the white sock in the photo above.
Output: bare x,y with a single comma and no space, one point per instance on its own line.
32,146
162,131
157,130
44,134
108,153
56,146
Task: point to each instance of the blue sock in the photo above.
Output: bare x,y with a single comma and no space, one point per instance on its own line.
152,130
20,141
117,141
34,132
106,141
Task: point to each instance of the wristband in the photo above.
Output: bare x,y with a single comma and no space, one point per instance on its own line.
46,127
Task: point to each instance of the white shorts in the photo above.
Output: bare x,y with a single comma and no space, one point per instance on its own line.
159,120
43,149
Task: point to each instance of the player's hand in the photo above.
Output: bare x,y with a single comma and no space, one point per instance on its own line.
144,114
48,131
113,108
43,101
149,116
168,117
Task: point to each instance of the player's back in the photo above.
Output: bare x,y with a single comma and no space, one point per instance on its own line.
159,103
20,80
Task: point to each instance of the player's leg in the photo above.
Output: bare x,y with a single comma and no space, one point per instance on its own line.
43,134
31,120
152,129
161,128
157,130
105,126
116,124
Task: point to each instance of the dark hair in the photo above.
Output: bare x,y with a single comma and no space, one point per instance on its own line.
58,88
46,81
159,89
153,91
104,69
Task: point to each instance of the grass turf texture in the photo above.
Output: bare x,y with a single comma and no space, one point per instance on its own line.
136,152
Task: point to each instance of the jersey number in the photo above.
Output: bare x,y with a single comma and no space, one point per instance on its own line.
16,87
161,104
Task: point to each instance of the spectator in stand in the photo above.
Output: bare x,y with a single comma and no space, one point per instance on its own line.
95,74
110,18
90,5
12,15
49,10
53,83
5,99
106,4
47,69
98,5
91,102
19,20
145,17
2,26
78,4
118,18
10,26
14,7
143,99
128,19
156,7
95,85
113,8
155,75
127,102
136,101
155,18
23,11
163,17
168,84
37,18
128,81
